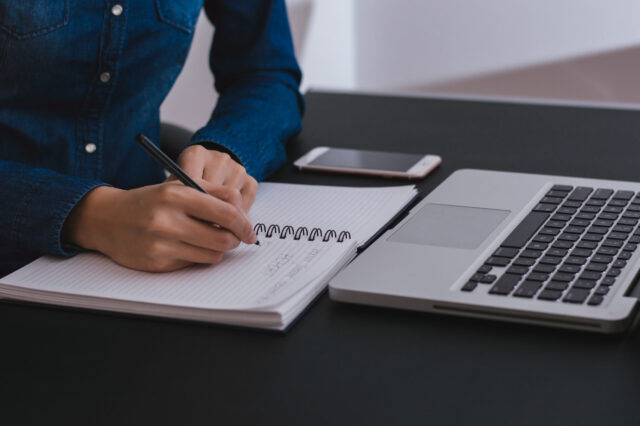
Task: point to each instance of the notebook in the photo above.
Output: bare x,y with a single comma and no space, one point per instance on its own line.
307,233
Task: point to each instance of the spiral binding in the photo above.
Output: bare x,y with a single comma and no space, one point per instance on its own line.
275,231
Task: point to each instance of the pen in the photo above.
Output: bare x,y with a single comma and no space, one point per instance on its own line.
169,164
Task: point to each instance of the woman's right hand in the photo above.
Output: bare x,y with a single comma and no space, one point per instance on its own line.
160,227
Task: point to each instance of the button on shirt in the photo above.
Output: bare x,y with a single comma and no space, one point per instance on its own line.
80,78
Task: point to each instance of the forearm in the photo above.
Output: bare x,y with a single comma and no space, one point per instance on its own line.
254,119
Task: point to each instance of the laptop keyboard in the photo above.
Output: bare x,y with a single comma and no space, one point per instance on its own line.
571,247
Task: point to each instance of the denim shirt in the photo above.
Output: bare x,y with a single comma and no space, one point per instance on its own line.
80,78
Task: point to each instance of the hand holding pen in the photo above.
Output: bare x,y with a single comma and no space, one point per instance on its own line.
160,227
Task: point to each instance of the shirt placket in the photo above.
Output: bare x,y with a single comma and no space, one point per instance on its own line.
91,135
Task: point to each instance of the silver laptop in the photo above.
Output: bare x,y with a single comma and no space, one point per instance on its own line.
536,249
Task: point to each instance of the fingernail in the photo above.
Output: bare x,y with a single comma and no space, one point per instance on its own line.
253,238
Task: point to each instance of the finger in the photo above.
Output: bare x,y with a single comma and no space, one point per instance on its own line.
214,174
194,254
206,236
192,162
249,191
222,213
224,193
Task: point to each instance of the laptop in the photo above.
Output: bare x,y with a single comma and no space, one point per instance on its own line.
535,249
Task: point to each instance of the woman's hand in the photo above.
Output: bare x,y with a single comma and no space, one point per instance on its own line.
161,227
218,168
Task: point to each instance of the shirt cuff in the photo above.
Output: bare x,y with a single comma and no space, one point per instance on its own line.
45,208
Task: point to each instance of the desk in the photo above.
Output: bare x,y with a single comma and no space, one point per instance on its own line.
347,364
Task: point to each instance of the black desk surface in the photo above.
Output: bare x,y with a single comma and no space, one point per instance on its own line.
346,364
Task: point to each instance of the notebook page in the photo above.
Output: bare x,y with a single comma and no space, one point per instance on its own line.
360,211
250,277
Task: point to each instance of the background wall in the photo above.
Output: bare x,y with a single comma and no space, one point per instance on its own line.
570,49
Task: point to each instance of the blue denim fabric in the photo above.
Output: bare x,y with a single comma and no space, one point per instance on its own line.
55,100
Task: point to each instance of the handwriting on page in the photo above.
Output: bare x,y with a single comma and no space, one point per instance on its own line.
287,275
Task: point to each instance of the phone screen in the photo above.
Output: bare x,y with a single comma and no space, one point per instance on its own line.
376,160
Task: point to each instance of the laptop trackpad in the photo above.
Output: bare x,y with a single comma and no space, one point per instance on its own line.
449,226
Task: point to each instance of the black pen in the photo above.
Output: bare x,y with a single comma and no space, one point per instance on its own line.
169,164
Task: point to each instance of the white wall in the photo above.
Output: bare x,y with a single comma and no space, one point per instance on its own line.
404,43
503,47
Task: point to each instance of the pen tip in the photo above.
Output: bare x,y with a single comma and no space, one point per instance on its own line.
257,242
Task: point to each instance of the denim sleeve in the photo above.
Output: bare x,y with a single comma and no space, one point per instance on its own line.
35,204
257,77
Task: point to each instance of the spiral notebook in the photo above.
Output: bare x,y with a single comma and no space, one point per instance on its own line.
307,234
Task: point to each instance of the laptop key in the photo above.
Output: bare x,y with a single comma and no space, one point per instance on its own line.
596,267
532,254
537,276
488,279
525,230
556,224
497,261
557,252
524,261
569,237
576,295
506,252
484,269
595,202
585,216
581,252
607,251
476,277
549,295
537,246
543,238
625,255
623,195
469,286
505,284
591,276
599,258
557,286
527,289
561,217
608,281
602,290
614,272
590,209
542,268
602,194
608,216
563,277
563,188
595,300
572,260
556,193
580,193
569,269
518,270
551,200
562,244
619,203
584,244
551,260
570,203
548,208
585,284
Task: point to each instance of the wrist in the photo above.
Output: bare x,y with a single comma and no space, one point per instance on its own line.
87,221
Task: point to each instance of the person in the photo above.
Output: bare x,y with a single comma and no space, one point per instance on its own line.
80,78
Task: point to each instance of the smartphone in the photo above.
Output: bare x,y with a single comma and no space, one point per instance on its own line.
377,163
